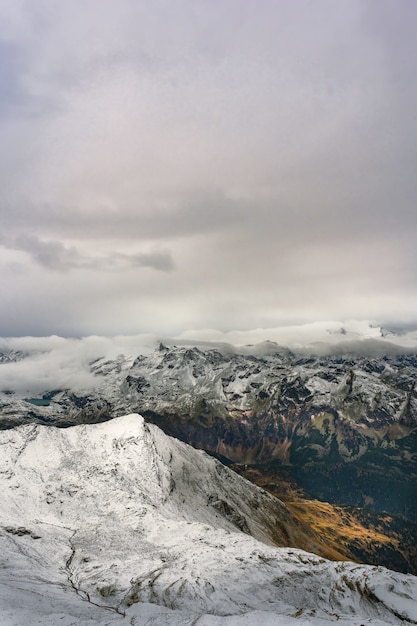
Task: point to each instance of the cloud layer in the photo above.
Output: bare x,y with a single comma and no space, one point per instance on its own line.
169,166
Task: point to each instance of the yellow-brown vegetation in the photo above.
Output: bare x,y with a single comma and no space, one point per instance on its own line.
338,532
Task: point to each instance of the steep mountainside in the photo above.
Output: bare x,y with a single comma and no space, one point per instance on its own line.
360,534
117,523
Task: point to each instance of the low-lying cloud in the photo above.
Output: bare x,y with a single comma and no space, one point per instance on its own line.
32,365
49,363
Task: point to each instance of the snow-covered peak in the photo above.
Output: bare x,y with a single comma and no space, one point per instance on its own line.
118,523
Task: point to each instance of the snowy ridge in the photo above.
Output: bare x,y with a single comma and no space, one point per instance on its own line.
118,523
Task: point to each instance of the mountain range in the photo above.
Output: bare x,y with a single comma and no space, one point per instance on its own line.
329,437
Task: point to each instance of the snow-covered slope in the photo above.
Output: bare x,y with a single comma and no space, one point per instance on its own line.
118,523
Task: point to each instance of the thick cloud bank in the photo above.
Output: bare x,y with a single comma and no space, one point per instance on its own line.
167,166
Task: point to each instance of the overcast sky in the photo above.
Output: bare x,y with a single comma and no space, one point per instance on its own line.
177,165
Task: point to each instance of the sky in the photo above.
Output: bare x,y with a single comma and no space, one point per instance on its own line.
174,166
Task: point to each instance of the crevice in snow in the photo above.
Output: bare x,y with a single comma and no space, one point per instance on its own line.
72,579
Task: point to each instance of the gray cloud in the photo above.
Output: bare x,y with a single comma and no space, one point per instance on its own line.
50,254
270,153
157,260
54,255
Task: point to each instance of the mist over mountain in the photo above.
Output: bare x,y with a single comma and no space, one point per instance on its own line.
45,363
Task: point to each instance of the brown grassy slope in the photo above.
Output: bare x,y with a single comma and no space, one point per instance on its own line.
343,533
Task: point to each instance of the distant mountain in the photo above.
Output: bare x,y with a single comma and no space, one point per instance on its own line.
117,523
